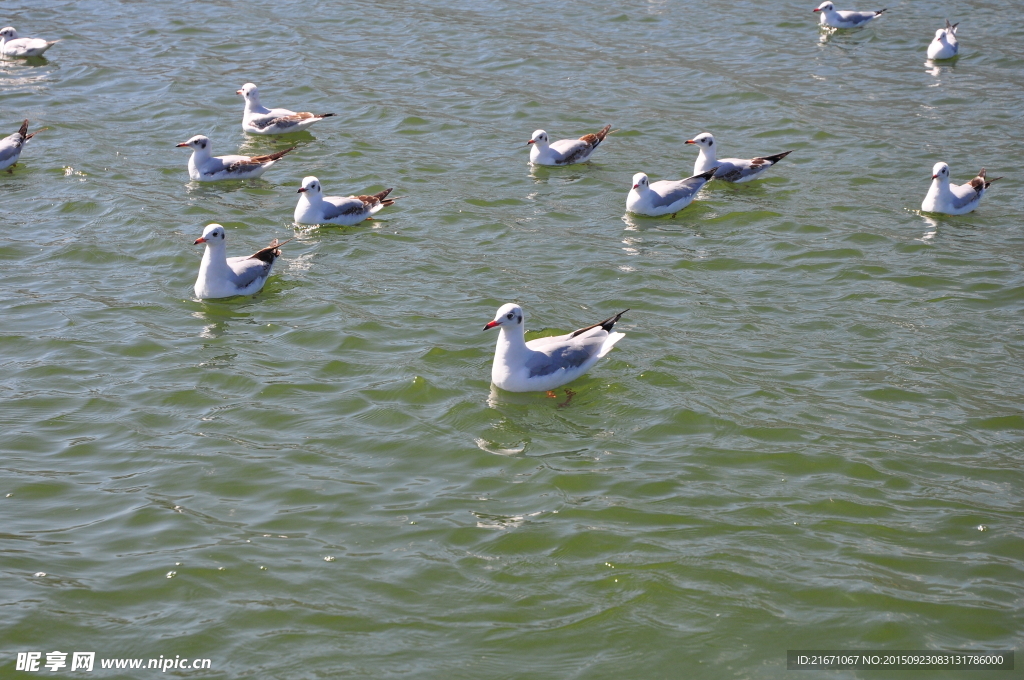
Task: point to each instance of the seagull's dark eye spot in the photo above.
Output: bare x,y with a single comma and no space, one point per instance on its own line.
510,315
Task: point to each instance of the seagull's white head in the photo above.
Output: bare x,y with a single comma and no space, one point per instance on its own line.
250,92
826,7
199,143
8,33
940,171
508,315
213,236
540,138
310,186
640,181
704,140
940,34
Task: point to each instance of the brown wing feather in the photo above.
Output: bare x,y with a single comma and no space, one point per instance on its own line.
23,130
597,137
377,198
270,253
270,156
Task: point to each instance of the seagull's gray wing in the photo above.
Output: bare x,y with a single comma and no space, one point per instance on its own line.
563,356
857,17
570,150
10,146
336,206
247,270
667,192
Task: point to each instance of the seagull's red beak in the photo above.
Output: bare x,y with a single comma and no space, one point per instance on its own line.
935,176
301,191
491,325
636,186
238,92
182,144
690,141
816,10
531,141
198,241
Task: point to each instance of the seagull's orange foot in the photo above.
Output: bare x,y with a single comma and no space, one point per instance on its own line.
551,395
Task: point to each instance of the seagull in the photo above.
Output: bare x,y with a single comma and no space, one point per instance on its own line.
259,120
945,44
13,46
545,363
564,151
11,145
221,276
666,196
845,18
730,169
955,199
315,208
202,167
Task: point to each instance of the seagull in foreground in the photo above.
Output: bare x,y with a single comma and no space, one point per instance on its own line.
315,208
13,46
259,120
202,167
945,45
730,169
545,363
954,199
564,151
845,18
666,196
11,145
221,276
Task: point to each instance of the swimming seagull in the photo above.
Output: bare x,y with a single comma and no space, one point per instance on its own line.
666,196
11,145
13,46
202,167
945,45
954,199
259,120
730,169
845,18
221,276
564,151
315,208
545,363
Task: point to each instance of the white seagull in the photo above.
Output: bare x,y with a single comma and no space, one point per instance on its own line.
13,46
954,199
730,169
545,363
202,167
845,18
564,151
315,208
259,120
666,196
11,145
945,45
221,276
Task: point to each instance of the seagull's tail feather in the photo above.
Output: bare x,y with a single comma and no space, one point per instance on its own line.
879,12
270,253
707,174
596,138
606,325
30,136
609,342
23,130
324,115
777,157
270,156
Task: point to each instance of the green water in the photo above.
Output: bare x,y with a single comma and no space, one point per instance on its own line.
810,437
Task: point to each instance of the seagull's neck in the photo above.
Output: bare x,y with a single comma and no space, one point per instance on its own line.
252,105
511,343
215,259
201,154
707,155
